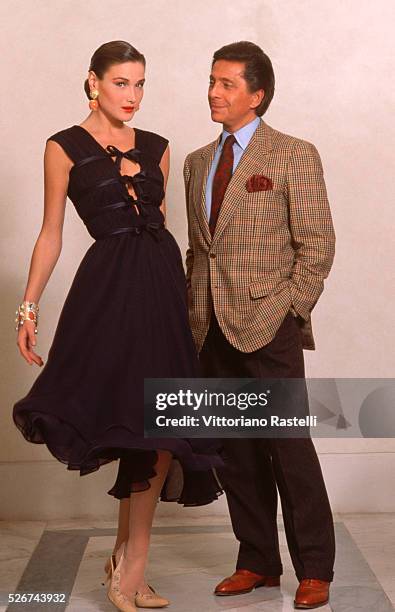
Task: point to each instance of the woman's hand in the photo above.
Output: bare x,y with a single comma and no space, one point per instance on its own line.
26,341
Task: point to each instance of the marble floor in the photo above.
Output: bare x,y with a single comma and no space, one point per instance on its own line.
188,557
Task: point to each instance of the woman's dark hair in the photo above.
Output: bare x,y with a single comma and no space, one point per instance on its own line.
258,70
114,52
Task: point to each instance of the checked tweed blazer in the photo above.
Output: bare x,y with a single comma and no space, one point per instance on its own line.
271,250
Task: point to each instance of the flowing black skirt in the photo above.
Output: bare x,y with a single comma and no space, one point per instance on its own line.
124,319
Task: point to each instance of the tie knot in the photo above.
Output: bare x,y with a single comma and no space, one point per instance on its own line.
229,141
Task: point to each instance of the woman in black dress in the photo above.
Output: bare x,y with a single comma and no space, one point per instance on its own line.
124,318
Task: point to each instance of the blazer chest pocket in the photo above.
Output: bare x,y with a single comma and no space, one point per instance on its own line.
263,287
265,198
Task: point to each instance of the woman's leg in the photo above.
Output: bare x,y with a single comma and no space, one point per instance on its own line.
123,528
123,523
141,512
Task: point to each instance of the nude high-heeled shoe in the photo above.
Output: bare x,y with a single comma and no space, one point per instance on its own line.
121,601
150,600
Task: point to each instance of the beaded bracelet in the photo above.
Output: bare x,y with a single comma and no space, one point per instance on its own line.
27,311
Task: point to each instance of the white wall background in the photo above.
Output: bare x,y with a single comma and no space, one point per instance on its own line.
334,65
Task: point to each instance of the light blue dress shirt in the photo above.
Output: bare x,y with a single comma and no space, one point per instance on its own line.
243,137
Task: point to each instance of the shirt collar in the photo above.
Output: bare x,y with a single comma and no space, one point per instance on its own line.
244,134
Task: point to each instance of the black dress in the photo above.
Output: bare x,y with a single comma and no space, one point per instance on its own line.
125,318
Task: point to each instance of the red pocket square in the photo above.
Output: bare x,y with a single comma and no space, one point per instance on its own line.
258,182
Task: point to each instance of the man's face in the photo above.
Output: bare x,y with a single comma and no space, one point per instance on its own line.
231,103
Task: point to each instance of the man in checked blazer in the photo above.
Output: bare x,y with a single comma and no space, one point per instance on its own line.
261,243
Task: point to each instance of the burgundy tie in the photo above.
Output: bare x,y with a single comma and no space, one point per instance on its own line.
222,177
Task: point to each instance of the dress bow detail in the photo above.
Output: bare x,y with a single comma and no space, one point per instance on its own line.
140,177
152,228
142,199
132,154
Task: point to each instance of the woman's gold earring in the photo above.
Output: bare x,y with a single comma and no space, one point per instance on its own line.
93,103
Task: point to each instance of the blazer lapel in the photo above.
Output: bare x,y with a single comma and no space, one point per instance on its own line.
199,198
252,162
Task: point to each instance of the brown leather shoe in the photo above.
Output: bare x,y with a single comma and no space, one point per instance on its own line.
311,593
243,581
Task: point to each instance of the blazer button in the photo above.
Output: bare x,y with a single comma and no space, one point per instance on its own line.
213,255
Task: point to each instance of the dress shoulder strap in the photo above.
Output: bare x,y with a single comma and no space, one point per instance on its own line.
153,143
75,144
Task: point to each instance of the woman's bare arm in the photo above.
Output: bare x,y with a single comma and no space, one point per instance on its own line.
49,242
